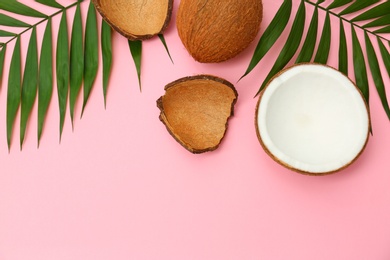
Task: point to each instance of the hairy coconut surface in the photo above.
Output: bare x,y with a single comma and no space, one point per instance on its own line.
136,19
195,111
312,119
218,30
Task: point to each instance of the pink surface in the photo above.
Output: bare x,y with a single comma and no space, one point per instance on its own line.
119,186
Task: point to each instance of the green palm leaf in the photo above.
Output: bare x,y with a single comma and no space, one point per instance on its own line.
291,45
338,3
359,66
14,88
381,21
162,39
76,61
6,34
324,45
91,53
136,53
357,6
376,73
385,55
45,84
343,52
10,21
29,86
2,57
271,34
106,56
51,3
16,7
62,68
383,30
375,12
308,46
73,66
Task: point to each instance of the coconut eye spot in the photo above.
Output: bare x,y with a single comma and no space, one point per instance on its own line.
313,119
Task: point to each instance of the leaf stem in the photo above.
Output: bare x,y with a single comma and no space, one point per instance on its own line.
41,21
346,20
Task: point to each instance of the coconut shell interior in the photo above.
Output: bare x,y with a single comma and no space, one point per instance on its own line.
136,19
196,110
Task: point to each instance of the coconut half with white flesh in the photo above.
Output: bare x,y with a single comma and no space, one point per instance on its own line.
136,19
312,119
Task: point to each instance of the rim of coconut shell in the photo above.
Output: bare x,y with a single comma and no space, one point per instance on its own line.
129,35
290,167
191,78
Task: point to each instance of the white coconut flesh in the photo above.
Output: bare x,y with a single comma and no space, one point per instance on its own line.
313,119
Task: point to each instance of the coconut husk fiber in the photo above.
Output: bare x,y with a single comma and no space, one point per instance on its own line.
217,30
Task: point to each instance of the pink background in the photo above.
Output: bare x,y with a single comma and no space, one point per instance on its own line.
120,187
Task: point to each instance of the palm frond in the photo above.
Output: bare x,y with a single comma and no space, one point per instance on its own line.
381,21
357,6
338,3
10,21
45,83
136,53
76,61
106,32
359,66
385,55
376,73
291,44
374,12
13,91
62,68
270,35
310,42
2,57
73,66
343,50
51,3
6,33
29,85
383,30
324,44
16,7
91,51
162,39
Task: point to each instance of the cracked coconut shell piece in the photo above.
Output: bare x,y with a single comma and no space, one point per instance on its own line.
217,30
136,20
195,111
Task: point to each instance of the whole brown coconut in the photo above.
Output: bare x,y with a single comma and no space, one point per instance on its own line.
218,30
136,19
195,111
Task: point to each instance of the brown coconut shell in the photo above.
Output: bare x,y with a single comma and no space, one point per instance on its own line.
282,163
136,20
217,30
195,111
